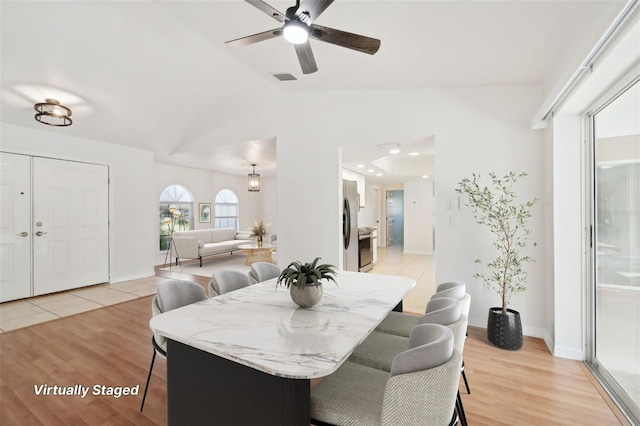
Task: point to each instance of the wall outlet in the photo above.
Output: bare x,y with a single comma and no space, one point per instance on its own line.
452,221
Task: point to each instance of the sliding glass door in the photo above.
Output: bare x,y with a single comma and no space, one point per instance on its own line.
616,246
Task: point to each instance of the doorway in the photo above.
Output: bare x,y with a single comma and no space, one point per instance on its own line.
55,226
394,219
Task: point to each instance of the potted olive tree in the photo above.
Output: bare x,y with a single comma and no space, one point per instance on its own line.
304,281
496,207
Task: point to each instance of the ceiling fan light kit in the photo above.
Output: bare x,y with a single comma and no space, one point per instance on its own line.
299,27
295,32
52,113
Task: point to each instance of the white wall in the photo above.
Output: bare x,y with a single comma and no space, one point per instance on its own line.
269,195
204,185
478,129
418,217
568,236
492,135
132,201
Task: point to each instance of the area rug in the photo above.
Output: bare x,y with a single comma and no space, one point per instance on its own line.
235,262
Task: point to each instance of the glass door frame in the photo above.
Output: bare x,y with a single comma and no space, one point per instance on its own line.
615,391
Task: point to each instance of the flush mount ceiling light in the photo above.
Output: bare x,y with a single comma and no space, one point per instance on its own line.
394,151
254,180
51,113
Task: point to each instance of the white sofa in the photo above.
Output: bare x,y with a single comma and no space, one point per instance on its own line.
197,243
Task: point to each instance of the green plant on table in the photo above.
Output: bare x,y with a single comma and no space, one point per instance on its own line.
305,274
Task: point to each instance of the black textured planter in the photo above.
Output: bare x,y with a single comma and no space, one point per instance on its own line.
504,331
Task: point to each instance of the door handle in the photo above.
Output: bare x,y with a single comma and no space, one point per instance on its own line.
23,234
40,233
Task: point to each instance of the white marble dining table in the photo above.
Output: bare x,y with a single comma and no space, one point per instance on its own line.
254,349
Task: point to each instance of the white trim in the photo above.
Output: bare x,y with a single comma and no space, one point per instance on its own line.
551,106
569,353
131,277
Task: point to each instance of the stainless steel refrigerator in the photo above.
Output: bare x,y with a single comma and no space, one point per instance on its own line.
350,225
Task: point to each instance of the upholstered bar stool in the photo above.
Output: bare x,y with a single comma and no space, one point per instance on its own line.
401,324
419,389
226,281
379,349
262,271
451,289
170,295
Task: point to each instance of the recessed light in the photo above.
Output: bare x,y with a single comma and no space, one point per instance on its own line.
371,170
360,166
414,153
394,151
425,176
378,174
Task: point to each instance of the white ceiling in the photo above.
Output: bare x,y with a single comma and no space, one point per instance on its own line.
157,75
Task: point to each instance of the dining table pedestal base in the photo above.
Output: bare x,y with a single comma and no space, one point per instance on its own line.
203,388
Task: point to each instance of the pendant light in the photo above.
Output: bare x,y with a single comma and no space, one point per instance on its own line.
254,180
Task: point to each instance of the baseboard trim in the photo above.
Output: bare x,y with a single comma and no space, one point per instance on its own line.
567,352
115,280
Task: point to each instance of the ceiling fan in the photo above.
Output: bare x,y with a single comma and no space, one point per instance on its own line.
299,27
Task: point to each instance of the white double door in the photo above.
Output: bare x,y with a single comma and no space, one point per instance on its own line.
54,225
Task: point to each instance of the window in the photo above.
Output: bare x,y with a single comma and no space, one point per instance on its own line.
226,210
180,198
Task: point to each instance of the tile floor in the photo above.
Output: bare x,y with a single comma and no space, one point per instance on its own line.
25,312
392,261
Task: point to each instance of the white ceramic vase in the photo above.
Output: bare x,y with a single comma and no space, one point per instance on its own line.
306,296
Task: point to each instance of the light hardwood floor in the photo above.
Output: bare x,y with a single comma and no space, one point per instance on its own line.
111,346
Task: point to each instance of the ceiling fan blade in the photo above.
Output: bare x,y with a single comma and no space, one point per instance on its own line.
245,41
267,9
314,8
305,56
342,38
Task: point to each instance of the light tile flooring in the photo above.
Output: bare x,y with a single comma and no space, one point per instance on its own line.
392,261
25,312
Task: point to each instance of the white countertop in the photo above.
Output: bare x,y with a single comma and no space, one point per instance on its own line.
261,327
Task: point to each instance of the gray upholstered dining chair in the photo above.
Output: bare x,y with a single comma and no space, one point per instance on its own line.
379,349
456,290
263,271
452,289
170,295
401,324
420,387
225,281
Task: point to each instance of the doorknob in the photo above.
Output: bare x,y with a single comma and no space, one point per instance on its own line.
40,233
23,234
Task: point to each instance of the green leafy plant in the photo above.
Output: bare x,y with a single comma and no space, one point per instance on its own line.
304,274
507,220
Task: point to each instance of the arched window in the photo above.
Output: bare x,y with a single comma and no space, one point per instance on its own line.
179,199
226,210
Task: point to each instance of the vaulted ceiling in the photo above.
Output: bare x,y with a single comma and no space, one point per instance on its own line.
157,75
